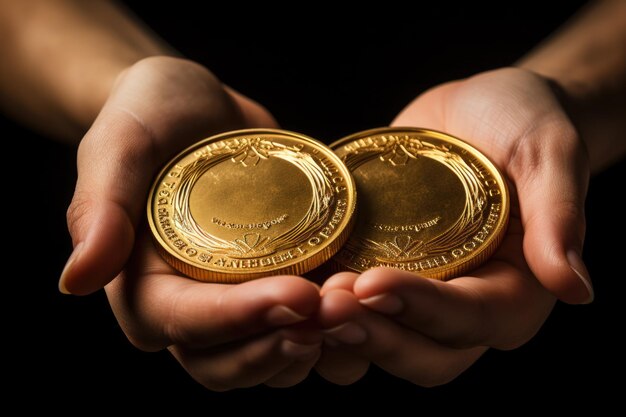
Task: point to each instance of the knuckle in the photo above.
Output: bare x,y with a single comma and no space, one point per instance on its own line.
146,329
143,342
536,147
176,71
255,358
78,211
140,335
526,157
569,211
175,324
135,327
568,143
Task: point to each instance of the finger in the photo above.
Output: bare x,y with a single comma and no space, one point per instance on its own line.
492,310
409,355
421,113
339,365
157,309
136,131
254,115
393,347
105,207
341,280
293,374
248,363
551,178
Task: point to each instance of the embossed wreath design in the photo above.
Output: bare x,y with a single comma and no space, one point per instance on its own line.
250,152
399,151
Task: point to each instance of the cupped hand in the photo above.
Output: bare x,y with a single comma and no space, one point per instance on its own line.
515,117
157,107
225,336
428,331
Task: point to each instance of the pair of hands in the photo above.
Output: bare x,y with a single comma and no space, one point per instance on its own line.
275,330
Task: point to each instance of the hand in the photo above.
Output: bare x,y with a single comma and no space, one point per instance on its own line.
157,107
429,331
514,117
225,336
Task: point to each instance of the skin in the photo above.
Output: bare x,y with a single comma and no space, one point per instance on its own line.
126,89
225,336
557,113
390,315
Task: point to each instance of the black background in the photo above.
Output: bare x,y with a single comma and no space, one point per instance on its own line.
325,75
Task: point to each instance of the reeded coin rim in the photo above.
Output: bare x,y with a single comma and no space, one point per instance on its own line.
297,266
460,266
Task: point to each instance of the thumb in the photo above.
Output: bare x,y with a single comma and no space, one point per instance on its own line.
108,201
551,176
157,107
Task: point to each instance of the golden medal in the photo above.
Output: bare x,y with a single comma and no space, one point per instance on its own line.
429,203
251,203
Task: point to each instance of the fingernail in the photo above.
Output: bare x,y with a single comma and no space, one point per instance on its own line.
68,266
579,268
282,316
384,303
299,351
349,333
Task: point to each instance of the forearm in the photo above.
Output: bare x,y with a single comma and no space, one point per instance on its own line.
61,58
587,59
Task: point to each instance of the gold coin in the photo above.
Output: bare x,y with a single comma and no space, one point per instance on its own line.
428,202
251,203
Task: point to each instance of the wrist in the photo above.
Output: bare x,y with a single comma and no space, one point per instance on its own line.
594,100
65,59
93,90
